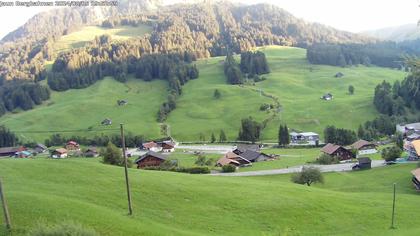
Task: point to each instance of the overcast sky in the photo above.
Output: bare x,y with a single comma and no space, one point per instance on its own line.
350,15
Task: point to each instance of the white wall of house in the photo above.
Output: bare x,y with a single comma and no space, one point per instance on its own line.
367,151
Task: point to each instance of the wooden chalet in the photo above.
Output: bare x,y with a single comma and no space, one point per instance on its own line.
364,147
254,156
168,146
150,159
72,146
59,153
235,157
10,151
151,146
363,163
416,178
338,151
91,152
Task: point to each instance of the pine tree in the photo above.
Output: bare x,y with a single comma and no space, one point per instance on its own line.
222,136
213,138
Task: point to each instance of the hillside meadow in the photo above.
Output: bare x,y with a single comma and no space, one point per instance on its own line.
297,84
85,191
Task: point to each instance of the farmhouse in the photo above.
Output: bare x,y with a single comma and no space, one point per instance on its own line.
254,156
40,148
305,137
226,161
151,146
233,156
167,146
364,147
364,163
327,97
72,146
241,148
338,151
414,150
416,178
10,151
150,159
412,137
91,152
59,153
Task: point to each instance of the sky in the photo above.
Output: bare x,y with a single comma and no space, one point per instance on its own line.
349,15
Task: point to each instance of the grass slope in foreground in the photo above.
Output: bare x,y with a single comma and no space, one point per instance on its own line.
298,85
93,194
79,109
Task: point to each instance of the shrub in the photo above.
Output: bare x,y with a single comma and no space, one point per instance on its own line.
391,153
326,159
308,176
197,170
228,168
112,155
63,229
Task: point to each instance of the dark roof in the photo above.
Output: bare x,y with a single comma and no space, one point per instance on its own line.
151,153
40,145
9,149
330,148
361,143
243,147
252,155
364,160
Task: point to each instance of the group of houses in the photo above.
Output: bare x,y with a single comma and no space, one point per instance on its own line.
244,155
344,153
21,151
162,146
411,134
73,148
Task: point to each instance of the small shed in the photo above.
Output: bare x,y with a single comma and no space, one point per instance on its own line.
339,75
364,163
106,121
327,97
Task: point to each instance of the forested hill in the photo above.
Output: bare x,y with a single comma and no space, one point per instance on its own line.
203,29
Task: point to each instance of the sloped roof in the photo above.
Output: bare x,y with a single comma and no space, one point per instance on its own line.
330,148
151,153
416,173
252,155
61,150
361,143
150,145
416,145
226,161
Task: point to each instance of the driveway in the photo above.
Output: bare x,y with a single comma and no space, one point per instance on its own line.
323,168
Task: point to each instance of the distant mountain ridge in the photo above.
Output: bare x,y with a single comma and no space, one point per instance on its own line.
396,33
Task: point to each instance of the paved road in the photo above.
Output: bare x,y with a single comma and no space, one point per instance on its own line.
220,149
323,168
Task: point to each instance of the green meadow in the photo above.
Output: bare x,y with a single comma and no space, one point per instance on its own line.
85,191
297,84
81,37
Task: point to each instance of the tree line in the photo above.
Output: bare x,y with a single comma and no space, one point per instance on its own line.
252,65
385,54
7,138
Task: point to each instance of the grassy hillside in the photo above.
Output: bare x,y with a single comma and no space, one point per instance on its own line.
80,38
88,192
297,84
81,109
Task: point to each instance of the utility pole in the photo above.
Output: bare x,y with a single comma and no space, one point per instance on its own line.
5,208
393,209
130,209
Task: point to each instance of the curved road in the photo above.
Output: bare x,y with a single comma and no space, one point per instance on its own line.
323,168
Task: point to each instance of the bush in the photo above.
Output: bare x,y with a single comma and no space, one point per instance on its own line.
326,159
228,168
197,170
308,176
391,153
63,229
